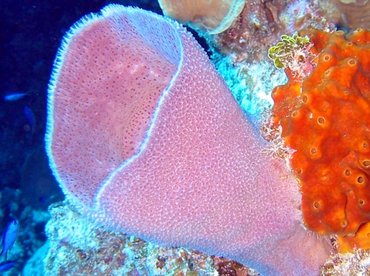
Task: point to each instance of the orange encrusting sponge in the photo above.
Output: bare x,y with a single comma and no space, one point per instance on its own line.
325,118
360,240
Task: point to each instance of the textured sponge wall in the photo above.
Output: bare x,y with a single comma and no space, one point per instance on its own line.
326,120
196,183
104,90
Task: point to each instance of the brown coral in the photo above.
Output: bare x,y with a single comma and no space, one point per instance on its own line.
215,16
325,118
354,13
